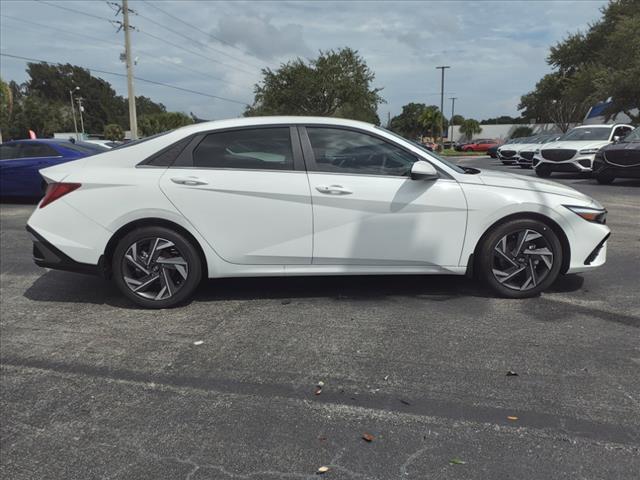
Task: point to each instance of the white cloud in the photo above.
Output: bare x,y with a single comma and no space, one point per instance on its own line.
496,49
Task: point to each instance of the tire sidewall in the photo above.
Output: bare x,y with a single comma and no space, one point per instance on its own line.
185,247
485,260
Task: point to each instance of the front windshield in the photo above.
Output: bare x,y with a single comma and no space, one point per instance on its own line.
587,133
452,166
633,136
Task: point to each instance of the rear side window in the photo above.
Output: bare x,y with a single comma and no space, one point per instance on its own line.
30,150
9,152
258,149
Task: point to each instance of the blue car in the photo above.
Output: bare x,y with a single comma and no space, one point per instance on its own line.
20,161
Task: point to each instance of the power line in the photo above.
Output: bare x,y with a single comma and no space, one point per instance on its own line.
75,11
153,82
193,27
115,22
175,32
111,44
192,52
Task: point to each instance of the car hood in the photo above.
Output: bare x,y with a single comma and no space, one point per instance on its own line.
521,182
577,145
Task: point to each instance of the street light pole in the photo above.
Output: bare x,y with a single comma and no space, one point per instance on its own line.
442,67
81,109
453,106
73,112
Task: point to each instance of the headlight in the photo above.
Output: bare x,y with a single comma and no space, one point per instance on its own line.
595,215
589,151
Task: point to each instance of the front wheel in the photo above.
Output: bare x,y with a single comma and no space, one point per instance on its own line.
520,258
156,267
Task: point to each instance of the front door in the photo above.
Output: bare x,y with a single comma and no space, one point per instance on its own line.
368,211
242,191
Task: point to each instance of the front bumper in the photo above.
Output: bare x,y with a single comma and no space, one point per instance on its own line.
46,255
578,164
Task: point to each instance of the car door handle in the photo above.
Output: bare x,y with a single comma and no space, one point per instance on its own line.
333,190
189,181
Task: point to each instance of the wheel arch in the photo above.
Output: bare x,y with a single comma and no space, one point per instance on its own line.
557,229
148,222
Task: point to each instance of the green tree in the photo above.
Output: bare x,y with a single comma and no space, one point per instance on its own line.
522,131
408,123
457,119
430,119
161,122
114,132
469,128
336,84
600,63
6,107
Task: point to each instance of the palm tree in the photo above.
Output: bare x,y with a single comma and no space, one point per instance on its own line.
430,119
470,127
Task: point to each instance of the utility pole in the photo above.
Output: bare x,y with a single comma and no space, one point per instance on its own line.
73,112
442,67
453,106
133,121
81,109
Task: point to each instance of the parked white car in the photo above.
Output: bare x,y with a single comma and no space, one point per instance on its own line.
508,153
527,150
287,196
576,150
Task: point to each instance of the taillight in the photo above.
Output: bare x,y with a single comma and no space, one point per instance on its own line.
57,190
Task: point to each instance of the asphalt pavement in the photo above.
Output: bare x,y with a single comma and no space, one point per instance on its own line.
225,387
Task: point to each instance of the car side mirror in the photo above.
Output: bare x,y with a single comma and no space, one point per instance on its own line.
422,170
617,138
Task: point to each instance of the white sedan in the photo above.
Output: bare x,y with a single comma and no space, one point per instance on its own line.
283,196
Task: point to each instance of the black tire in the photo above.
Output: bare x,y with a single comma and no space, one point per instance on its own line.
181,248
604,178
486,259
543,171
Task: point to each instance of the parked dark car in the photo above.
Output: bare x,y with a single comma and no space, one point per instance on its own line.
493,151
618,160
20,161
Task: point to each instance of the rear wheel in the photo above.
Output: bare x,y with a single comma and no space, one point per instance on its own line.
520,258
543,171
156,267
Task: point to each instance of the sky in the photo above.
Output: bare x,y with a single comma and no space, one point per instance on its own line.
496,49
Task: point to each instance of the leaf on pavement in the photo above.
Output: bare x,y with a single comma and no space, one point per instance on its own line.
322,470
512,418
511,373
457,461
367,437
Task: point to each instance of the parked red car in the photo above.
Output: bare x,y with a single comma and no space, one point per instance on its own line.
479,145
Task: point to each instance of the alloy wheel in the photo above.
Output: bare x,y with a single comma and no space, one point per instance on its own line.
154,268
522,259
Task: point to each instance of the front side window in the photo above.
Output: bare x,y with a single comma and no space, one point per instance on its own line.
345,151
258,149
621,132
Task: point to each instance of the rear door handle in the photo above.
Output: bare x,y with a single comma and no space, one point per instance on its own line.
333,190
189,181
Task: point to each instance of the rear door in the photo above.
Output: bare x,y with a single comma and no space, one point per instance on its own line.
246,191
20,175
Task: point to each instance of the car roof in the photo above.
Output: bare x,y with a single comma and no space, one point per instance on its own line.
271,120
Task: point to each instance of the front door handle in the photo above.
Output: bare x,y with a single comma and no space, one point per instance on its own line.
189,181
333,190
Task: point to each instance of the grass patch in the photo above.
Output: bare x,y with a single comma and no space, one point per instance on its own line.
455,153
